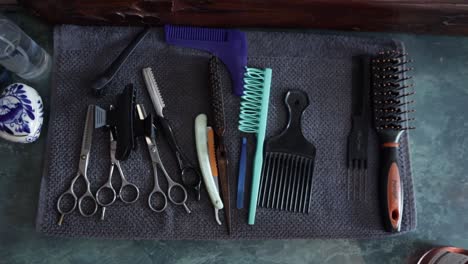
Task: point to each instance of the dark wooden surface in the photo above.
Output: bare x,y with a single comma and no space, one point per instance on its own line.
418,16
8,2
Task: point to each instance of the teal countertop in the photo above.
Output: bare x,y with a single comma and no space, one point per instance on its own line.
439,149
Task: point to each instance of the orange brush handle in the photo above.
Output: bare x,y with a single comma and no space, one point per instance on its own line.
391,188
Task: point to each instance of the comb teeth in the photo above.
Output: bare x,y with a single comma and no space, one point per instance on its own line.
153,91
389,69
192,33
100,117
286,182
254,103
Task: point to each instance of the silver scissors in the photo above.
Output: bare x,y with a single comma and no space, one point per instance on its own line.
82,172
157,164
132,191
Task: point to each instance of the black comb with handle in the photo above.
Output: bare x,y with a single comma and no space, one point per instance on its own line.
99,84
358,137
388,75
288,167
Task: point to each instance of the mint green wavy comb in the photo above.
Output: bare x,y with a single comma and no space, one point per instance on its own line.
253,119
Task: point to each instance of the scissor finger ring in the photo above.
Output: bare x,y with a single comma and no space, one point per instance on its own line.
61,199
129,188
103,193
87,195
152,197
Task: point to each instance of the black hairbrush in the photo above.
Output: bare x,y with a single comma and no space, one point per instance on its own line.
388,77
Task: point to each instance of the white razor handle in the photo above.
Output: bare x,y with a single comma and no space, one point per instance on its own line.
204,161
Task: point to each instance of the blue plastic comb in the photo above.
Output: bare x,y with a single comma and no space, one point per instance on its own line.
242,170
229,45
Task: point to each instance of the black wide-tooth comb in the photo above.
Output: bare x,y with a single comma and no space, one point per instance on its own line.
289,162
388,77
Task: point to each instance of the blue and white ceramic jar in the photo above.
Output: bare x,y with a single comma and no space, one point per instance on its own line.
21,113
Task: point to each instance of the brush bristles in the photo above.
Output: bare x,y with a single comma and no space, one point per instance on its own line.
217,100
389,69
286,182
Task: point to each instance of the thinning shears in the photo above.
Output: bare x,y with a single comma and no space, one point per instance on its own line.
62,207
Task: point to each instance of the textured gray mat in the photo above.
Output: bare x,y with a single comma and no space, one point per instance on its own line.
318,64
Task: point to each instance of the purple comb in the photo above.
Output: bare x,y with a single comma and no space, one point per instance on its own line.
229,45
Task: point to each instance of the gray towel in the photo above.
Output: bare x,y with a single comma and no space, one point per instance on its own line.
318,64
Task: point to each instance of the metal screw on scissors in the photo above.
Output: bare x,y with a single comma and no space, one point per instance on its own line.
82,172
125,185
157,164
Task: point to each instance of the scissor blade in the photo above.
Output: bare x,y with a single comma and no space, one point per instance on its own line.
88,131
141,111
216,212
142,115
149,140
